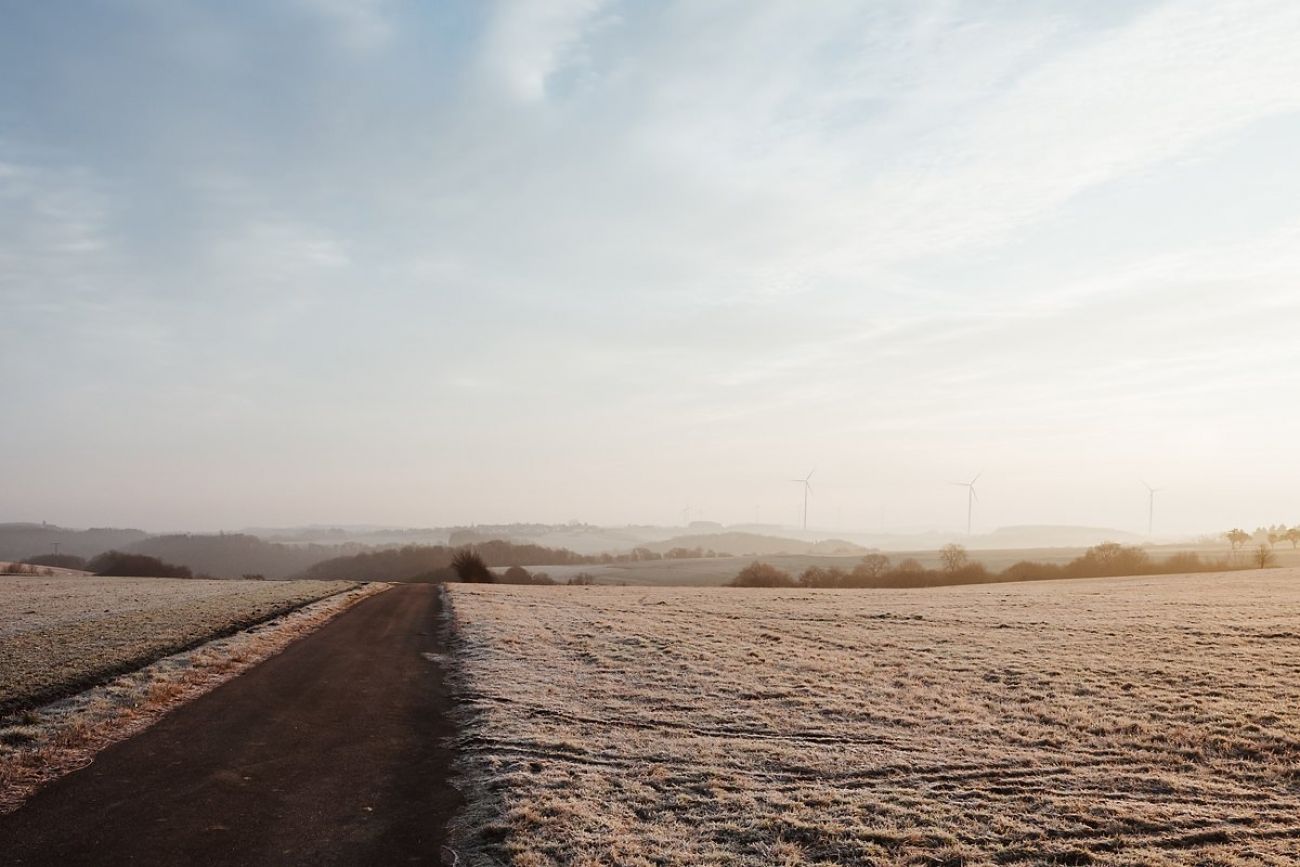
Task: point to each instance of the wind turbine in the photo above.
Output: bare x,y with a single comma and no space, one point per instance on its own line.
807,489
971,497
1151,506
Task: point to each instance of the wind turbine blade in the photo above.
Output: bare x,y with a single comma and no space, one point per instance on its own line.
977,477
973,494
810,474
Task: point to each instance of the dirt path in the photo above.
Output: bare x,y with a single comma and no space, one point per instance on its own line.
329,753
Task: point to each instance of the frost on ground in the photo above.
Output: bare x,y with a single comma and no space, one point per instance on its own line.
61,634
1151,721
41,744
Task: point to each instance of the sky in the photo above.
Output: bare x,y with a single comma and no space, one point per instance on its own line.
279,262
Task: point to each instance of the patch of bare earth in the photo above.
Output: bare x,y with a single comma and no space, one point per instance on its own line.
1148,721
40,744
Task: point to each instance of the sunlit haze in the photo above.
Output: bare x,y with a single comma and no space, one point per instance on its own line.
334,261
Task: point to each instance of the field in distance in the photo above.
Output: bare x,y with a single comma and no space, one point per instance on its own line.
1147,721
60,634
715,571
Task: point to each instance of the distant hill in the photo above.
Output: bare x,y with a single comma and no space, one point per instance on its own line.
754,544
580,538
1053,536
230,555
20,541
367,536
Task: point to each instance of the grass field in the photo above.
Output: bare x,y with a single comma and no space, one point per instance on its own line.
716,571
1151,721
61,634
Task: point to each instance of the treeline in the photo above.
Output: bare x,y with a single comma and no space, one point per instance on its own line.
229,555
878,571
468,565
58,561
117,564
12,568
124,565
429,562
696,553
23,541
1272,535
45,564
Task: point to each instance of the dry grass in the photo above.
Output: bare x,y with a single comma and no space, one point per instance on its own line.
1151,721
62,634
39,745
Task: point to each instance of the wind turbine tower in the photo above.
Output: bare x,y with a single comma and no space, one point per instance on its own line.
1151,506
807,489
971,498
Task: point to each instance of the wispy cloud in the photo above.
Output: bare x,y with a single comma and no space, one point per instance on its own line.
361,25
530,42
692,237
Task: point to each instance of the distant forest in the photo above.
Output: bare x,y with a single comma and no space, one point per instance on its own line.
415,562
20,541
235,555
230,555
877,571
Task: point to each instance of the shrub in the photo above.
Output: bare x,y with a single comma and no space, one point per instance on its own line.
470,568
1186,561
762,575
1028,570
1109,559
821,576
871,566
520,575
517,575
970,573
117,563
582,579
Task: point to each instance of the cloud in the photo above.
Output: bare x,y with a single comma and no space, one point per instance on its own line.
1182,76
1108,104
55,228
677,235
528,42
361,25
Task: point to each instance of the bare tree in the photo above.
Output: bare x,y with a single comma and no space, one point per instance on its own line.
872,566
953,557
1237,537
1264,556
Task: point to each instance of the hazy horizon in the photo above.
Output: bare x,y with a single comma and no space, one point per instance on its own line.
313,261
